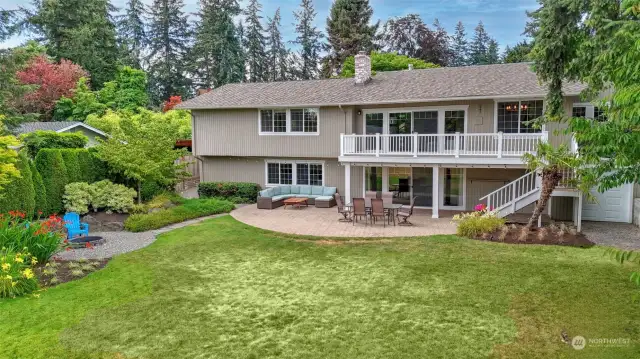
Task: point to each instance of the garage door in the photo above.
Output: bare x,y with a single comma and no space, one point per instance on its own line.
611,206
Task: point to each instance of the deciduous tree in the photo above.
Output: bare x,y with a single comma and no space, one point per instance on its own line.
386,62
518,53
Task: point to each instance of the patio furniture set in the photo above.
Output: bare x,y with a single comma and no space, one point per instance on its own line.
296,196
371,209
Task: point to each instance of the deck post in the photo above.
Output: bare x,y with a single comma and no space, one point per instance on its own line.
415,144
436,193
377,145
347,182
457,144
500,144
341,144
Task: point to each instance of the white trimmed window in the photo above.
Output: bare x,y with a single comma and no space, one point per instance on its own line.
589,111
294,172
294,121
514,116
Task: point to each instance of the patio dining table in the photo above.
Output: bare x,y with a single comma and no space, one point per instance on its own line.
391,207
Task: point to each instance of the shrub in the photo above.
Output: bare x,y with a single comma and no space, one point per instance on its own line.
472,226
50,164
190,209
40,191
112,197
150,189
17,277
40,238
78,197
243,190
35,141
19,194
72,164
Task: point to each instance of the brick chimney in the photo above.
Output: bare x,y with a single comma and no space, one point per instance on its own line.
363,68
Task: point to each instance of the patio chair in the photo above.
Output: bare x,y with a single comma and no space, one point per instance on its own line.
344,211
405,213
377,211
74,226
387,198
359,210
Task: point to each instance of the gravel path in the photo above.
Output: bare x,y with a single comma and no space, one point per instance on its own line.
124,242
619,235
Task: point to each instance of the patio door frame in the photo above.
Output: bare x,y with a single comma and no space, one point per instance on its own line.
440,109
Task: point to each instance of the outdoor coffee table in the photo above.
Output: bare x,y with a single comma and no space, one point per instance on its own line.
295,202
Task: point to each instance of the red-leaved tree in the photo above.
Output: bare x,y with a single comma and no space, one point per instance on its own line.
48,82
171,103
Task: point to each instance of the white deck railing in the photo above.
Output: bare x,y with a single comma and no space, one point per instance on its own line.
458,144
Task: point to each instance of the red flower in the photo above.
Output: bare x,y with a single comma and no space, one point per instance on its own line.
67,249
39,213
88,245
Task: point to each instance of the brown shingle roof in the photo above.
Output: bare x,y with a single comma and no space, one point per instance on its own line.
487,81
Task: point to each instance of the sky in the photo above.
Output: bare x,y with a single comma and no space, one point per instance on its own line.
503,19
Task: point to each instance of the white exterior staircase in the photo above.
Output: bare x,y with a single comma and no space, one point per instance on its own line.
515,195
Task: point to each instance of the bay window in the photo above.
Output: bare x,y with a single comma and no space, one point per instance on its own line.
294,173
300,121
516,116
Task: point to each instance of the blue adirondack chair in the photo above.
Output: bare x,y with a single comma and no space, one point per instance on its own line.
74,226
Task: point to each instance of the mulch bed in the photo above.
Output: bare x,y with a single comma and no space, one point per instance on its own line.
545,236
64,271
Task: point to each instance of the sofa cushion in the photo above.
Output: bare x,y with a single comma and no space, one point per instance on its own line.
305,196
275,191
317,190
294,189
324,198
266,193
281,197
285,189
329,191
305,189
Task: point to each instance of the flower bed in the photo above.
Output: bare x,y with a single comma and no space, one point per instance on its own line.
42,238
16,274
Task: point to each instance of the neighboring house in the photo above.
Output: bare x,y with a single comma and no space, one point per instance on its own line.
62,126
448,136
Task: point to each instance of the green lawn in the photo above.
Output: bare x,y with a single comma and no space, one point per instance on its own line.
225,290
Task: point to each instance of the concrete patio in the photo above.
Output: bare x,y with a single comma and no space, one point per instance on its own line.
323,222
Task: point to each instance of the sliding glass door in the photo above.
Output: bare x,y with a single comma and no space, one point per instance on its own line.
423,186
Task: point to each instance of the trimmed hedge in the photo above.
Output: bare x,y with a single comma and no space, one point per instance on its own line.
243,190
19,194
50,164
38,186
72,164
190,209
38,140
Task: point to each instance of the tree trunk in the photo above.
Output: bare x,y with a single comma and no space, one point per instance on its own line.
139,192
550,180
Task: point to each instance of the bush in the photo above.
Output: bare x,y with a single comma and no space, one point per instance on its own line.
50,164
40,238
16,274
35,141
472,225
111,197
190,209
40,191
72,164
19,194
77,197
247,192
151,189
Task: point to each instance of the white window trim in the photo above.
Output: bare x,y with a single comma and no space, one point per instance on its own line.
288,132
440,109
590,109
519,100
294,178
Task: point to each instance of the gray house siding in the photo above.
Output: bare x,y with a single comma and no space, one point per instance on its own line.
252,169
236,133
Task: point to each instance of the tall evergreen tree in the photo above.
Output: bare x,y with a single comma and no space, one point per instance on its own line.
459,46
308,38
6,17
493,52
479,46
169,39
277,54
217,53
81,31
256,43
518,53
132,33
349,31
243,53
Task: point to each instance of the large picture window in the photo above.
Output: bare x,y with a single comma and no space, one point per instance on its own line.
295,172
516,116
301,121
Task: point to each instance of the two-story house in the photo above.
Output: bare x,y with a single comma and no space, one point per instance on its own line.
450,137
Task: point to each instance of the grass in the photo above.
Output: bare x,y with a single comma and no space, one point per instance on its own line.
222,289
187,209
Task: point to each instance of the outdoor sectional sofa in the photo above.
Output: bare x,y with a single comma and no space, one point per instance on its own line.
274,197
